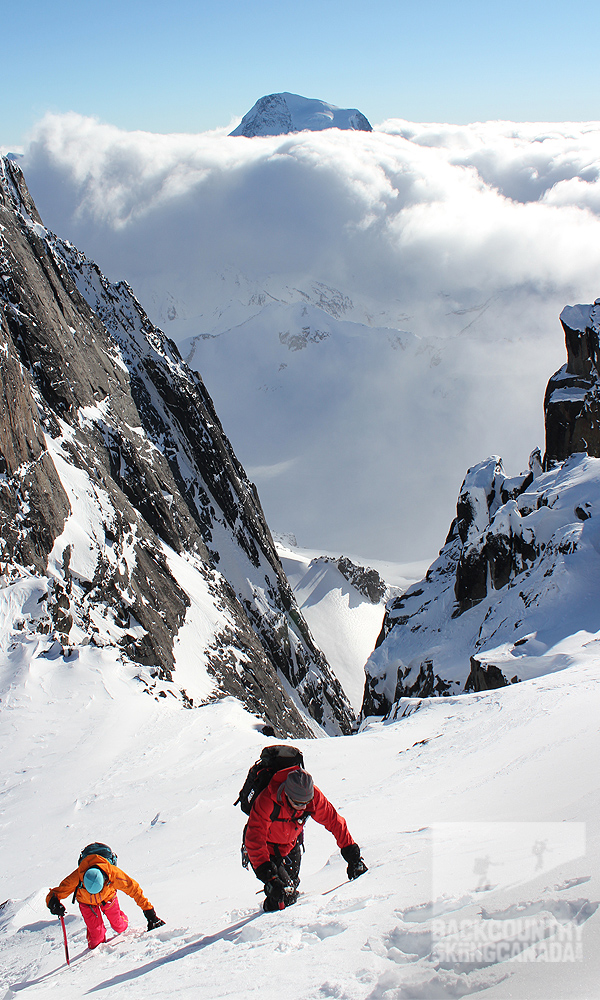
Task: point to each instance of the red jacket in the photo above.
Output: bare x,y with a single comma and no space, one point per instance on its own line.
274,824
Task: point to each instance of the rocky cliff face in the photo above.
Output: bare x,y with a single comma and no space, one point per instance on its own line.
572,403
119,488
280,114
514,578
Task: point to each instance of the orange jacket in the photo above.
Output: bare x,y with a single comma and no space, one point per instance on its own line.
116,879
274,825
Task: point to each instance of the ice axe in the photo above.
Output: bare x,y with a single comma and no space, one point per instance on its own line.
64,930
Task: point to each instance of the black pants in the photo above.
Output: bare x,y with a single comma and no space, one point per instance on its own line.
288,868
290,863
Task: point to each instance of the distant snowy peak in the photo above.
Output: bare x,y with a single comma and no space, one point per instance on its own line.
279,114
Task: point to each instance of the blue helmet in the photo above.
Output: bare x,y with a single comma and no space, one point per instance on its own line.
93,880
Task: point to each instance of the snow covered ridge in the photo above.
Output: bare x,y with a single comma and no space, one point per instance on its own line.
513,592
279,114
511,596
122,497
343,604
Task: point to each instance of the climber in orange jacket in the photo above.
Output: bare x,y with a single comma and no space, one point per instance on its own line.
94,885
273,834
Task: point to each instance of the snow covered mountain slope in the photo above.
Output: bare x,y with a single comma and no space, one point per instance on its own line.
478,817
121,495
279,114
343,604
513,594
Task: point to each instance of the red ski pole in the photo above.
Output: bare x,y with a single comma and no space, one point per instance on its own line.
62,920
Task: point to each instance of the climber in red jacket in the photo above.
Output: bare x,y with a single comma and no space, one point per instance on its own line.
274,831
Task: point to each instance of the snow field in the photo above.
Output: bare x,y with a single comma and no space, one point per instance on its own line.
448,803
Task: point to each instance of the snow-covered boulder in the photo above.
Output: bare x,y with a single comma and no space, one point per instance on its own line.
279,114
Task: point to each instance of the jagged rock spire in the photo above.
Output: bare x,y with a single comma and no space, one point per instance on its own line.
572,401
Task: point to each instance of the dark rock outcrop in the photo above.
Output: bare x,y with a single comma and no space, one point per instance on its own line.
364,579
101,415
488,558
572,401
484,677
488,547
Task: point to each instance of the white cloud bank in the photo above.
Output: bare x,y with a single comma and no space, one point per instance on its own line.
454,247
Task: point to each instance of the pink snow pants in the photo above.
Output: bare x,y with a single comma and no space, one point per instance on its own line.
92,915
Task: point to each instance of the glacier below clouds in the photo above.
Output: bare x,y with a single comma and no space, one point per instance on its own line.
447,233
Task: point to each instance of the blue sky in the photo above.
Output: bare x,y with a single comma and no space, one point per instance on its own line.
191,66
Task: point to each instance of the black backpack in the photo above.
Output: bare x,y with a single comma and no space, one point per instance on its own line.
272,759
102,849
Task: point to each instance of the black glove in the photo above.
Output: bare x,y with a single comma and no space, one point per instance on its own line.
153,920
55,906
356,865
266,871
275,890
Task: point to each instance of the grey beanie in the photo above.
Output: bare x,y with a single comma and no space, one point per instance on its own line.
299,786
